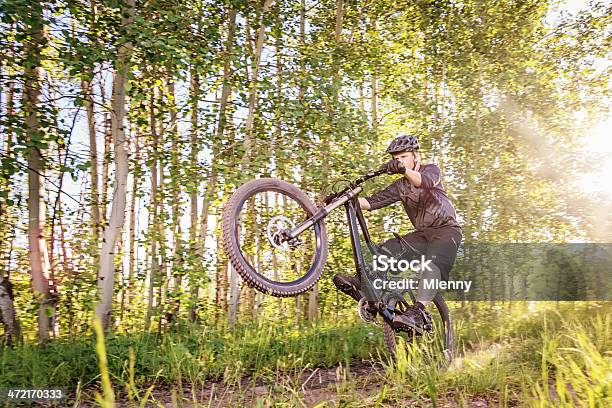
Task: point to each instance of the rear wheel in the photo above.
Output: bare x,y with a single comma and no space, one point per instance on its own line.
252,222
439,343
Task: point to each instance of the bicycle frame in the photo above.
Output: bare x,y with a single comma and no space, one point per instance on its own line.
385,300
339,199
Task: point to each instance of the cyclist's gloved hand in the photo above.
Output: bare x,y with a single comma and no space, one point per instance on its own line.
394,167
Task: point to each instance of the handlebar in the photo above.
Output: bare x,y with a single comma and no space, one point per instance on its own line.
368,176
331,202
353,184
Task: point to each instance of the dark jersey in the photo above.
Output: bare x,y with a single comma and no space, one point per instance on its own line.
427,206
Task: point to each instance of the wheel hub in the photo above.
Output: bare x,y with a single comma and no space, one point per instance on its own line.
277,226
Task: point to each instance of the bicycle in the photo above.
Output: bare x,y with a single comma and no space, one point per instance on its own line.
294,239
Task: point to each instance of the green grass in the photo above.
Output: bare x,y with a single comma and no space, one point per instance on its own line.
194,354
546,356
541,355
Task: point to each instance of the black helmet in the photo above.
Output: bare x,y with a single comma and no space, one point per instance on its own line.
403,143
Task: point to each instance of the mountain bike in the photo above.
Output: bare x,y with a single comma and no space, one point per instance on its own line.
276,239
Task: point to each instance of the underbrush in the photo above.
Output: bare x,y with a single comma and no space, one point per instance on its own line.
524,354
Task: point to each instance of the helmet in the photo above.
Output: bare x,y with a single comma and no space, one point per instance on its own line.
403,143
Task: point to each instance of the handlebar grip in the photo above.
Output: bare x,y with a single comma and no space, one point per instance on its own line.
370,175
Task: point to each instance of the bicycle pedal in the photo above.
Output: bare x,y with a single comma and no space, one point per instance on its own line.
408,330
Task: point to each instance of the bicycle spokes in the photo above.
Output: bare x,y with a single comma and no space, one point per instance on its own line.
264,219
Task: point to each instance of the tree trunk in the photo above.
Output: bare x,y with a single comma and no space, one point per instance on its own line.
127,286
175,192
68,270
106,279
194,282
374,103
234,293
93,157
280,166
211,187
39,260
106,157
221,290
374,96
153,225
194,181
248,142
8,317
361,98
161,225
253,85
7,225
312,303
332,110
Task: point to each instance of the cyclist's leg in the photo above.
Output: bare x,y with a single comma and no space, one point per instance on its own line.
442,250
408,247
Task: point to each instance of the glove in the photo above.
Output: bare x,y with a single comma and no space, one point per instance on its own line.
394,167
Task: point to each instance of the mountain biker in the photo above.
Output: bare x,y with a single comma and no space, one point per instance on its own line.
437,232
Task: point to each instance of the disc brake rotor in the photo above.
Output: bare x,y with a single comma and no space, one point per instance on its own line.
275,229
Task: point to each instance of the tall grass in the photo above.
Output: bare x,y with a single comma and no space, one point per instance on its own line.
543,355
576,365
107,399
196,356
547,356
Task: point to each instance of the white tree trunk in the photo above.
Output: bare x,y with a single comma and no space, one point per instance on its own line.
234,283
153,214
8,316
253,88
312,303
234,294
212,181
106,278
87,90
38,255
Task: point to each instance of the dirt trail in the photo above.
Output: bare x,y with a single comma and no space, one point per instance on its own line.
358,384
311,387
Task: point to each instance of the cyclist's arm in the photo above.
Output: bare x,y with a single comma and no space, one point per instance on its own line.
381,199
363,203
414,177
428,178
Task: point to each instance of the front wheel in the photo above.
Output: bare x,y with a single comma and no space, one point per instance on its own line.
439,343
252,221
